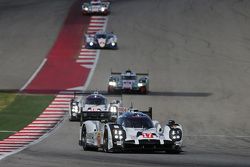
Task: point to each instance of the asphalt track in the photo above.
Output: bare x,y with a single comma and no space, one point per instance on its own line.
197,54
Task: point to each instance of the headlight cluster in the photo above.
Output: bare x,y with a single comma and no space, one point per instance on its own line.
91,43
140,84
86,8
75,108
175,134
113,109
102,9
112,83
118,134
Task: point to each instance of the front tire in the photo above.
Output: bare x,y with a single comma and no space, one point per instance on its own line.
106,142
143,90
84,140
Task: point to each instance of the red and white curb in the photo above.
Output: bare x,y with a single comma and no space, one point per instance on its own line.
89,57
56,111
40,127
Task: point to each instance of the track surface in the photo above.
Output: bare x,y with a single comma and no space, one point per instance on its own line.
28,31
197,53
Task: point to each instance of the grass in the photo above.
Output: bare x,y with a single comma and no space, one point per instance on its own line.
21,111
6,99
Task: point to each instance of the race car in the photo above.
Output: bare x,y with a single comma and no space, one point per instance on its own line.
128,82
130,131
93,102
101,40
96,7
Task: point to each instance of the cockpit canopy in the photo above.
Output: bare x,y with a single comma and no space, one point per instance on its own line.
128,75
135,120
98,36
95,100
95,2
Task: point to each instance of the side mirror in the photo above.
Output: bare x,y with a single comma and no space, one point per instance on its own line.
171,123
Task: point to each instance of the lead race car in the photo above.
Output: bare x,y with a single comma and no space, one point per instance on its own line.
128,82
128,131
93,102
101,40
96,7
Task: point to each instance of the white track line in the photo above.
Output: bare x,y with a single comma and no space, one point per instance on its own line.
34,74
86,57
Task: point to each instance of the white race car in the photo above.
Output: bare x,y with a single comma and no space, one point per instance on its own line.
131,130
93,102
96,7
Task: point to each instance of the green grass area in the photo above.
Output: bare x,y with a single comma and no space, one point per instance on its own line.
21,111
6,99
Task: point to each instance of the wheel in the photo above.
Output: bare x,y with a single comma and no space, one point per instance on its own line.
71,118
143,90
84,140
110,90
106,141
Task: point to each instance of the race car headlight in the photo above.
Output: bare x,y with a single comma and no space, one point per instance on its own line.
118,134
175,134
102,9
113,43
140,84
113,109
75,109
112,83
86,8
91,43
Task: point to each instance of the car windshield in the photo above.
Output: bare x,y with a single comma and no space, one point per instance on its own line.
96,4
101,36
136,122
128,77
95,101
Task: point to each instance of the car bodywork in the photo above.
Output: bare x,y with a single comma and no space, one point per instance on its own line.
93,102
130,131
128,82
96,8
101,40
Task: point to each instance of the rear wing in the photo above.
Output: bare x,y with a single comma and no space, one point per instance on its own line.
102,116
147,74
81,93
119,73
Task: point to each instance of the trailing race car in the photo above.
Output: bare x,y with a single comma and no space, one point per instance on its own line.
101,40
128,82
96,7
132,130
93,102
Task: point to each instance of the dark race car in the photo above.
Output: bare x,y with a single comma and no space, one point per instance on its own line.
101,40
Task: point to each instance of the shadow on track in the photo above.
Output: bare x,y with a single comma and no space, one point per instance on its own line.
151,93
